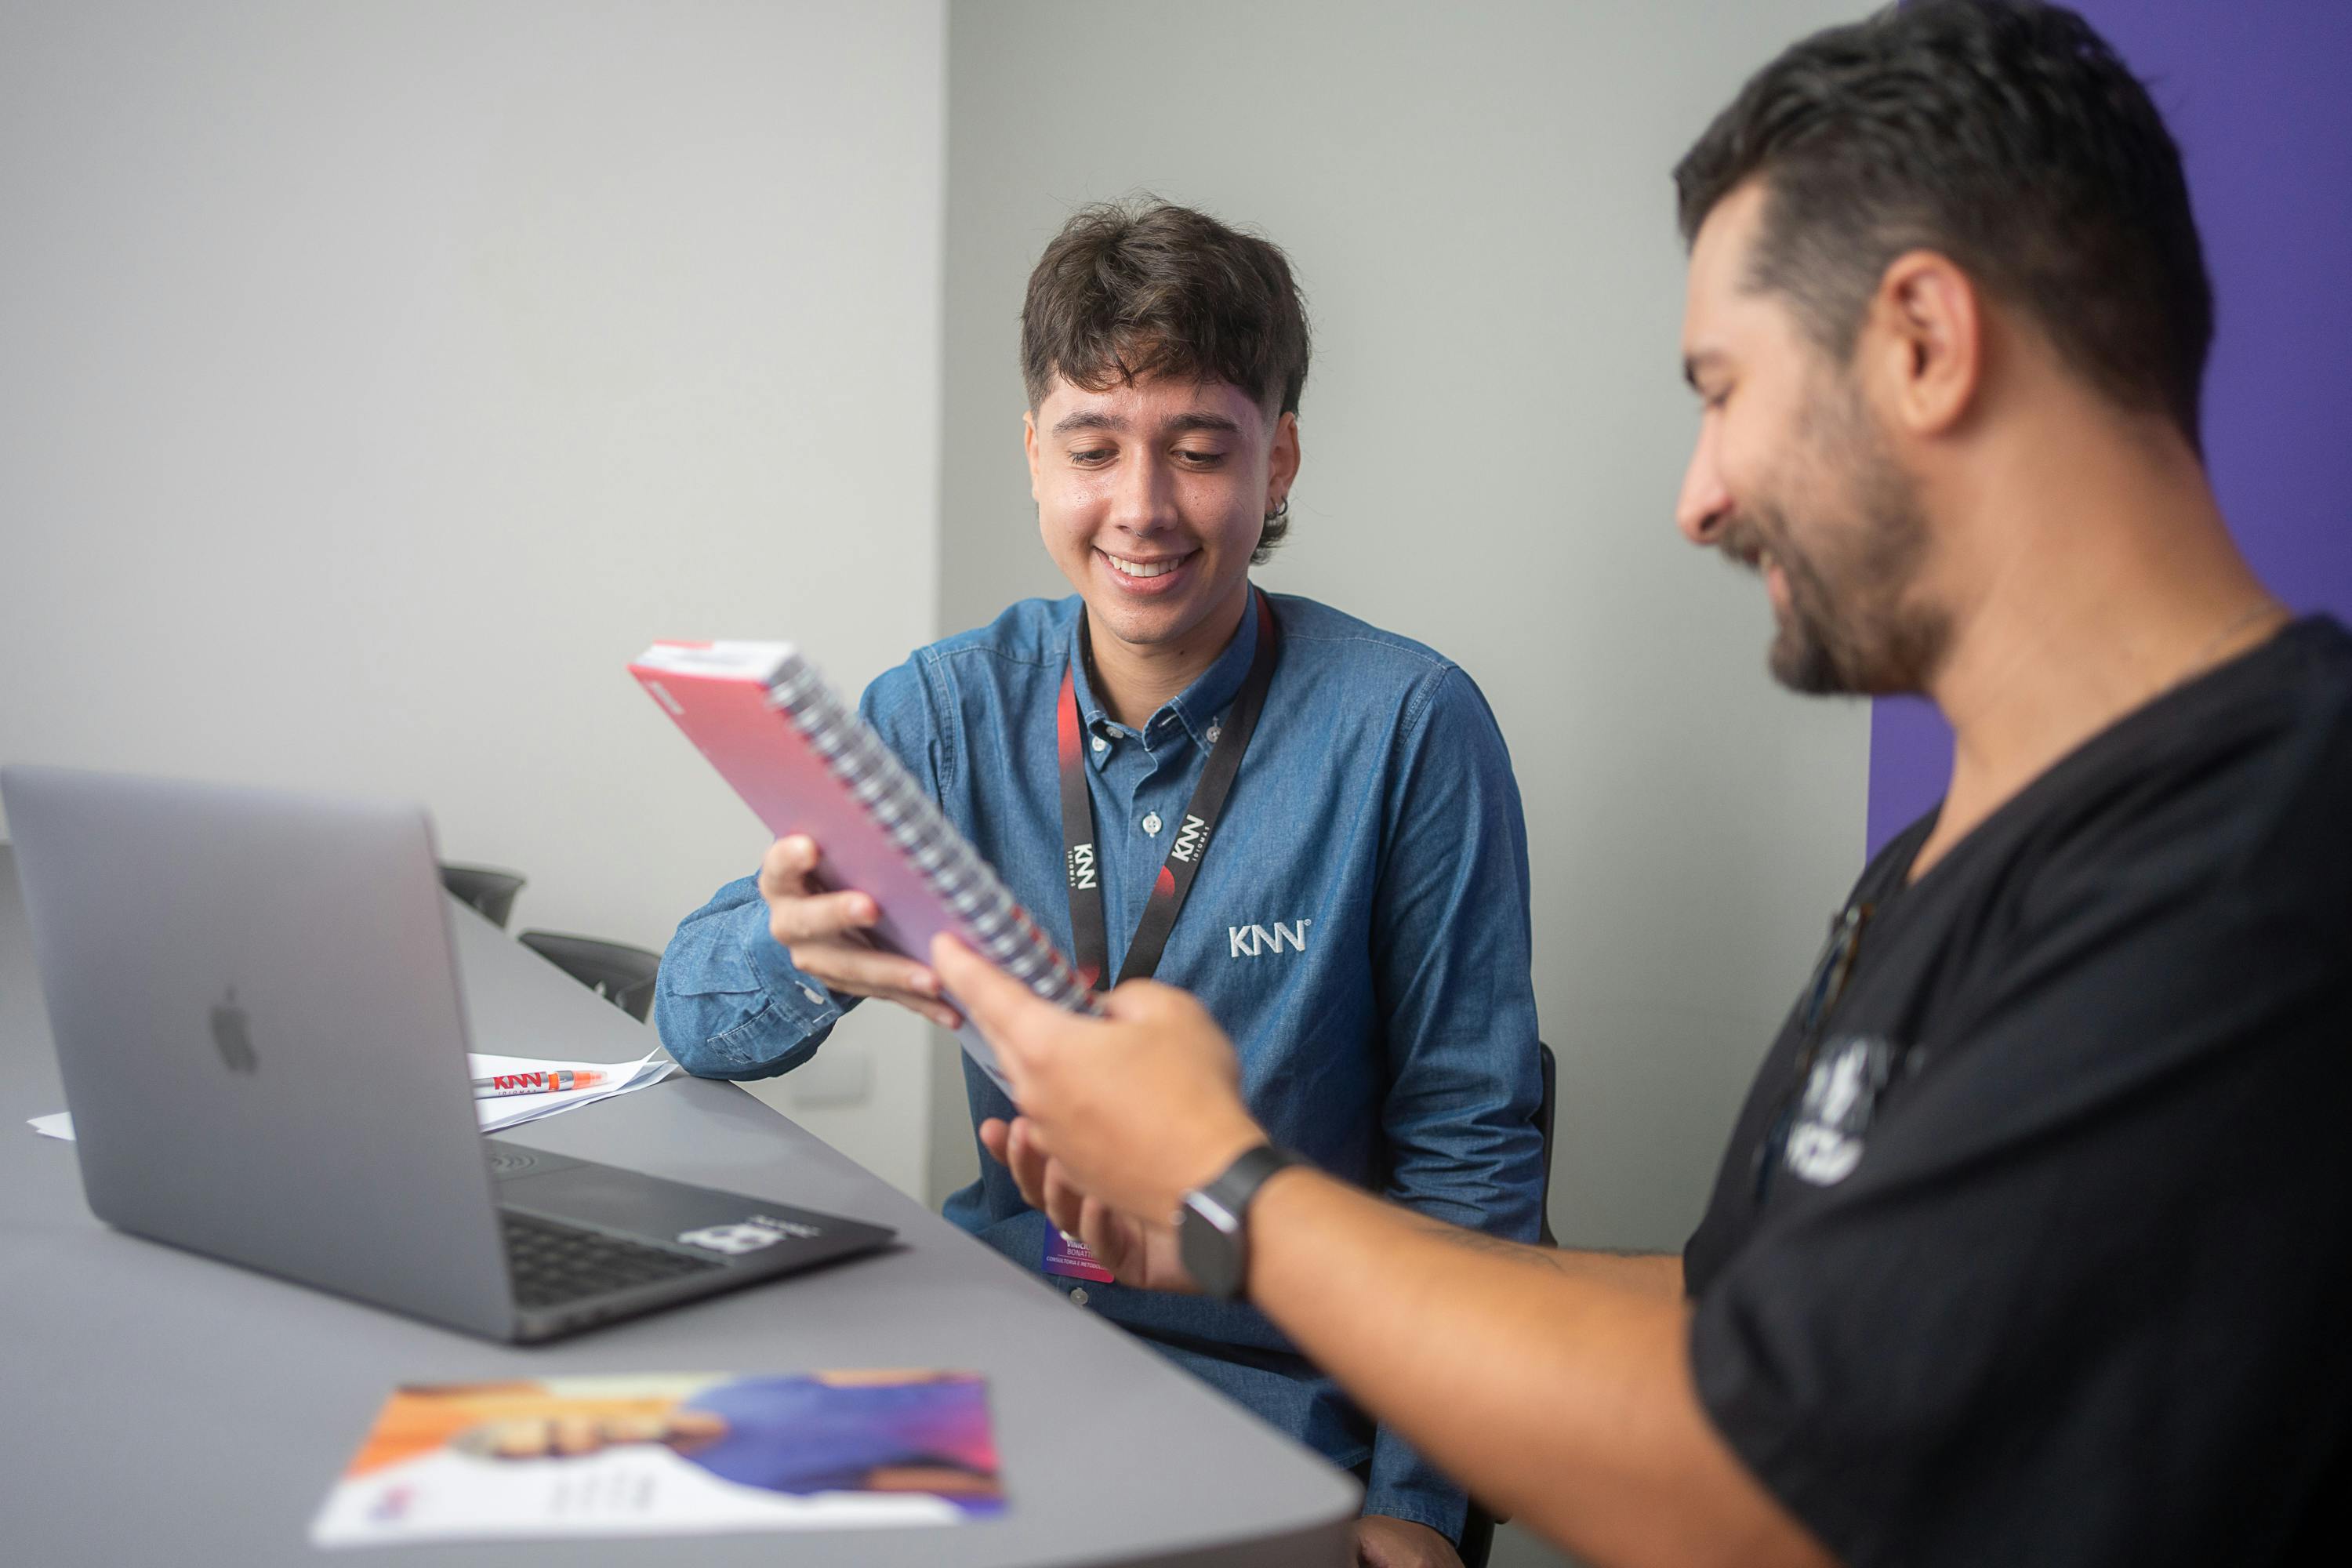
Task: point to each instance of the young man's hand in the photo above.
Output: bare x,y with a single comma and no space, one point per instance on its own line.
1385,1543
1136,1253
824,935
1137,1108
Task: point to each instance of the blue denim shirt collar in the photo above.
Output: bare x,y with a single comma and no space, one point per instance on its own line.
1196,708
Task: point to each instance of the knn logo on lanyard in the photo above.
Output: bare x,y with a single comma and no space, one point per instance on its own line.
1230,741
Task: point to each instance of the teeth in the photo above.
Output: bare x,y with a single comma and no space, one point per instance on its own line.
1146,568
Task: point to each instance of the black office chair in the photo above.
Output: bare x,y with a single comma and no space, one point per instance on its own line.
489,891
621,974
1478,1525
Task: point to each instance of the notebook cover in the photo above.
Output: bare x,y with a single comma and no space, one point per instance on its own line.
788,784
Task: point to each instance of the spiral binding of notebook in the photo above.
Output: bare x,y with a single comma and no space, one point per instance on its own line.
1001,929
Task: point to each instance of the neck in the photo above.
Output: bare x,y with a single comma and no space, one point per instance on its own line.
1135,680
2094,574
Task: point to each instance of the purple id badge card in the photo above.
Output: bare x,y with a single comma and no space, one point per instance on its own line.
1067,1256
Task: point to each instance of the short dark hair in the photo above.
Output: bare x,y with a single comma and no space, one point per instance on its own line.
2005,134
1144,287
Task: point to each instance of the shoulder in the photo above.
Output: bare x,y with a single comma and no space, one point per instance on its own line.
2310,691
1324,646
1313,628
1032,633
2220,808
1028,632
1029,636
2251,772
2295,816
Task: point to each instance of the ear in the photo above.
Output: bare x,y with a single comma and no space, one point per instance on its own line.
1923,342
1282,463
1029,445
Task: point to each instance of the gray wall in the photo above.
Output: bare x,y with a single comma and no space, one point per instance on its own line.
1477,200
376,380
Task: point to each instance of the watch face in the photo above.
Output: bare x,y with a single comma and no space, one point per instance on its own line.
1209,1243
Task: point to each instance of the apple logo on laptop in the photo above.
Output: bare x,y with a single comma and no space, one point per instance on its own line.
229,1033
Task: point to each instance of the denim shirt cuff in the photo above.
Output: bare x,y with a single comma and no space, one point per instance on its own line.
798,1003
732,1005
802,1003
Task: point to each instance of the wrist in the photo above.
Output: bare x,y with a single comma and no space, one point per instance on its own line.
1266,1219
1211,1157
1213,1233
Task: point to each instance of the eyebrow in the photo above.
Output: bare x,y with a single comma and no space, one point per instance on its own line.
1093,419
1215,422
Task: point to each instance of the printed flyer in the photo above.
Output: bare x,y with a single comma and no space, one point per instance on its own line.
668,1455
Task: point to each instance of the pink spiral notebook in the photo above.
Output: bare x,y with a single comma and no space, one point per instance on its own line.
804,762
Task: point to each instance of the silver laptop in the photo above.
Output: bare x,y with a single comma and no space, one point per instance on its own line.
257,1016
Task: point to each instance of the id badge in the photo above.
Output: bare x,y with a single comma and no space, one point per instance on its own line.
1067,1256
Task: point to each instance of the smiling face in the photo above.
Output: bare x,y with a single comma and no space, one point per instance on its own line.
1792,476
1150,497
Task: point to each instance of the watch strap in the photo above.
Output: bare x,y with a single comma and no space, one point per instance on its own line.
1213,1233
1233,1191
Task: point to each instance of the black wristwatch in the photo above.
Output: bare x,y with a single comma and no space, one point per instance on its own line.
1213,1227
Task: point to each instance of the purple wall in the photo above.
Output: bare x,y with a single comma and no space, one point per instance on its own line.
2254,92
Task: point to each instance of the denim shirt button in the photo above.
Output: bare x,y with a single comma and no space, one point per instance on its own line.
1101,744
1078,1294
1151,822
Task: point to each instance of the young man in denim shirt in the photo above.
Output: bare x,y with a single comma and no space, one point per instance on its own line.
1360,921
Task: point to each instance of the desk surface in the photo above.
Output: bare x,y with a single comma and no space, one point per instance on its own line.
159,1407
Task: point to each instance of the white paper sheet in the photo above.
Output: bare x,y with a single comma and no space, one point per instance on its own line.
506,1110
514,1110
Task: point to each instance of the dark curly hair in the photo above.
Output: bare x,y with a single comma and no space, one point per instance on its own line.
2005,134
1129,289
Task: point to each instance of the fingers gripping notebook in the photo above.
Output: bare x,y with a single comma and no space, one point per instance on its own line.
804,762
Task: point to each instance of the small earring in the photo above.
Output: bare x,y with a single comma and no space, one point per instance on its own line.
1281,510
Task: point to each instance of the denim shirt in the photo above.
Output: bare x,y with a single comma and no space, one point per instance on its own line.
1359,925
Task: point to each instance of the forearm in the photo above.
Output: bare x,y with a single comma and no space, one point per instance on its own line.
1653,1274
736,1037
1557,1387
1658,1274
728,1003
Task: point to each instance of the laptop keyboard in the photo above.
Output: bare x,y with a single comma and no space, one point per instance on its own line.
552,1264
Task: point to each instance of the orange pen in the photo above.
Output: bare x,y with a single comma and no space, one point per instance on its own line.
506,1083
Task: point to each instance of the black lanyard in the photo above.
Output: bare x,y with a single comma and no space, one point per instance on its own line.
1191,837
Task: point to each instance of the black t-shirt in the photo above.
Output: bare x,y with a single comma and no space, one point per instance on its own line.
2054,1259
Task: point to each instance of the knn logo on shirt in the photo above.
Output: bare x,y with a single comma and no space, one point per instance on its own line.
1190,839
1081,865
1841,1101
1249,942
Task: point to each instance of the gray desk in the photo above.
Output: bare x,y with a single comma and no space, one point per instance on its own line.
160,1408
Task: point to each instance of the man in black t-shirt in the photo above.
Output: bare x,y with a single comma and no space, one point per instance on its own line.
2030,1245
2033,1240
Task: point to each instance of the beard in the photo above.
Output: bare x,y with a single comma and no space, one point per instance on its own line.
1848,628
